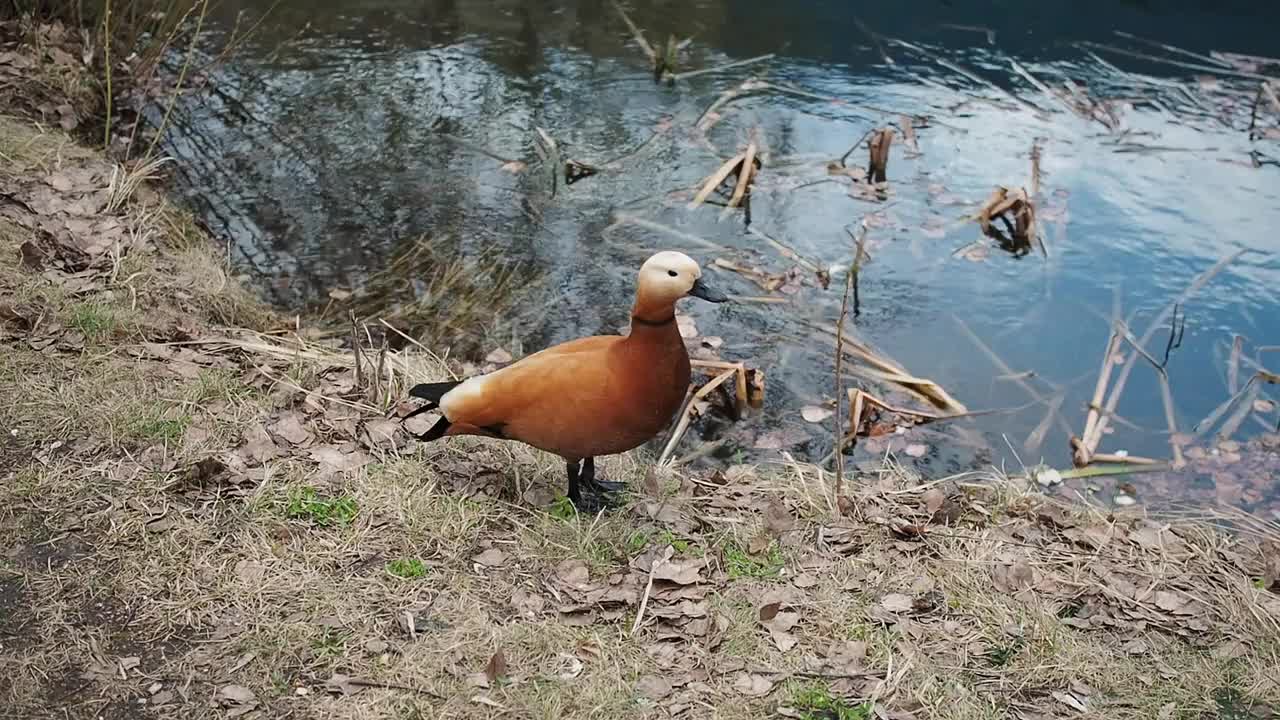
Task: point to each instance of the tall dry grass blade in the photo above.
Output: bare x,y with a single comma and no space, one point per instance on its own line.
1233,421
1171,421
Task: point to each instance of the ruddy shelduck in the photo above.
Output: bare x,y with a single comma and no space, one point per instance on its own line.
593,396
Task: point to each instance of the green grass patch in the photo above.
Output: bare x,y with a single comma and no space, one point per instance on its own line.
306,503
94,320
562,508
741,564
156,427
815,702
407,568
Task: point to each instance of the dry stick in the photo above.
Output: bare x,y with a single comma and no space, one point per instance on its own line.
987,83
715,179
726,66
1172,49
1113,399
638,35
1087,444
786,251
1271,95
1233,365
1233,422
844,314
1176,63
1026,74
355,348
1004,368
1166,396
744,179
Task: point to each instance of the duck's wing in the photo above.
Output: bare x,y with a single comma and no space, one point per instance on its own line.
547,383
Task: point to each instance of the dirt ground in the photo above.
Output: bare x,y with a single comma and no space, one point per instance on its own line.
205,512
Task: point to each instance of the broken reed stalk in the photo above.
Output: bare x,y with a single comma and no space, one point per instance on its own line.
1171,421
1198,283
355,349
1088,444
1175,63
849,283
553,157
726,66
746,174
1172,49
878,162
715,179
638,35
858,253
1233,365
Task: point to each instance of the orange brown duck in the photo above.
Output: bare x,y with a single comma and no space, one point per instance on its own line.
593,396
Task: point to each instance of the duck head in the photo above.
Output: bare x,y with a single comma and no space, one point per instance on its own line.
668,276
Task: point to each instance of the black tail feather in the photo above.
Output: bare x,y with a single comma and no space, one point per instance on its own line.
432,392
437,431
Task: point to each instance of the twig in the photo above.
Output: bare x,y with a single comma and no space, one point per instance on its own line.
1176,63
715,179
1087,444
648,589
1172,49
1166,397
355,350
726,66
745,175
638,34
393,686
1113,399
1233,365
844,314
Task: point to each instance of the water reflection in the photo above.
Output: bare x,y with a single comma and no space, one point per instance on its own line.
325,144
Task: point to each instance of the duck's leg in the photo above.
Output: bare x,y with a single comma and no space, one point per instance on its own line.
585,492
603,487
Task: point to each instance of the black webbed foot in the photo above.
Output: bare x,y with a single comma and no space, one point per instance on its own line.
590,495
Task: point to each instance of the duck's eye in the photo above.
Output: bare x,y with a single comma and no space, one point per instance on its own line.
673,273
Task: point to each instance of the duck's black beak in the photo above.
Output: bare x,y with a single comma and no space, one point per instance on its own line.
702,290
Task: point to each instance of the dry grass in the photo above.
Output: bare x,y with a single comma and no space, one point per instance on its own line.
191,511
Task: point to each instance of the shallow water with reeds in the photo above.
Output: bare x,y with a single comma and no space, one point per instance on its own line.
338,136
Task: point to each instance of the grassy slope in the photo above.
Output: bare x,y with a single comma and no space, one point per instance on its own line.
214,521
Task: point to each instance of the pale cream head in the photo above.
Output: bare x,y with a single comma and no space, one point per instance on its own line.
667,276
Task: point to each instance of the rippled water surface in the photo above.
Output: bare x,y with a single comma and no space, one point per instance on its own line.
338,133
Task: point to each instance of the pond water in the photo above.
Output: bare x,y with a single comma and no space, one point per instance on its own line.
340,132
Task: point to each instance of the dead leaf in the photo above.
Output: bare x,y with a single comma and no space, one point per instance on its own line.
498,357
753,685
258,446
513,166
1264,406
804,580
653,687
336,460
681,572
574,574
815,414
1013,577
341,684
496,669
493,557
237,699
896,603
777,519
916,450
289,428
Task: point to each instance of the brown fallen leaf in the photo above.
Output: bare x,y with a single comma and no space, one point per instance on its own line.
574,574
681,572
237,699
493,557
777,519
332,458
498,356
753,685
896,603
526,603
341,684
916,450
289,427
653,687
496,669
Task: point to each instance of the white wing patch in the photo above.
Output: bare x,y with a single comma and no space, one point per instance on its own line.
470,389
